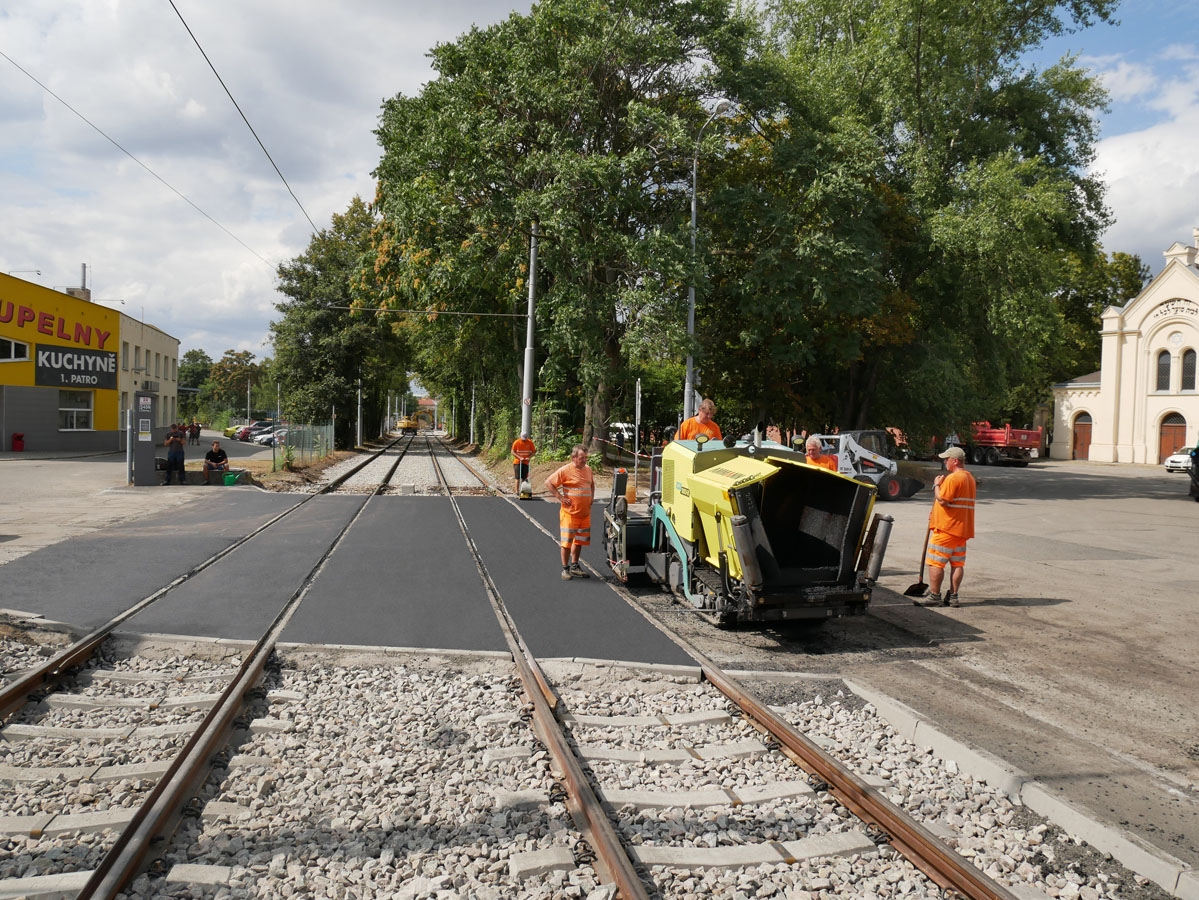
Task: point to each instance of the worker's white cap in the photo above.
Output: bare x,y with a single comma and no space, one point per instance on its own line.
953,453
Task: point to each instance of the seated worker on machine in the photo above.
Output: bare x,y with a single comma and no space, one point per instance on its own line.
816,457
700,423
215,460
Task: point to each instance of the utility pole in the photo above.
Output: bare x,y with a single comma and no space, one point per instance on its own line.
526,401
472,412
359,429
247,401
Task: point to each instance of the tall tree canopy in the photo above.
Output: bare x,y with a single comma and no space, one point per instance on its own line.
885,218
322,347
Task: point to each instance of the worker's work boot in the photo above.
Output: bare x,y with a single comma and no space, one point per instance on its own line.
565,573
933,599
951,599
577,571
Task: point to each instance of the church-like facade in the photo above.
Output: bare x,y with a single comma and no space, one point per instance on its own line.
1142,405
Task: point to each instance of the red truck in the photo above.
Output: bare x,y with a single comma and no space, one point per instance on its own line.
1006,445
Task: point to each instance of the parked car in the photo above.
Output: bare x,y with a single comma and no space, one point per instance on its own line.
1179,462
232,430
268,438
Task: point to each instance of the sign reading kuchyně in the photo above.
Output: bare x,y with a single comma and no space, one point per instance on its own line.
66,367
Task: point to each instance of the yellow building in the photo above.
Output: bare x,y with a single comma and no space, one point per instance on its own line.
61,370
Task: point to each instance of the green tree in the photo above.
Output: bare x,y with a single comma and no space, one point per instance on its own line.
938,182
228,380
578,117
322,346
194,368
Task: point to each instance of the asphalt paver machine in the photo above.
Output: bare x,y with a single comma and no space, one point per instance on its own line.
747,531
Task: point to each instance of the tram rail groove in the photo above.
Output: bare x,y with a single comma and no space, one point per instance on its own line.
612,860
946,868
13,694
156,816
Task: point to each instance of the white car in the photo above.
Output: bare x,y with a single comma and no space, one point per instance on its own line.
1179,462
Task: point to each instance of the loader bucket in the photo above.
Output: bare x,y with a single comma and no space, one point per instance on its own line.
910,486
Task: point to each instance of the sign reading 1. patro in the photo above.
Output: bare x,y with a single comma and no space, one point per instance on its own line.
66,367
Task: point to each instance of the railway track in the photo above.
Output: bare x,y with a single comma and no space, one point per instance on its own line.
877,820
663,787
164,743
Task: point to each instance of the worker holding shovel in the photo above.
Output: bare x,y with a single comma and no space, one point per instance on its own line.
951,525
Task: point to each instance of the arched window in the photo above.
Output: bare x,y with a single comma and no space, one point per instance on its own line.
1188,370
1163,371
1083,419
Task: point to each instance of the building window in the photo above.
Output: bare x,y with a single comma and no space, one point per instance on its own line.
1188,370
1163,371
74,410
157,364
125,355
13,351
137,357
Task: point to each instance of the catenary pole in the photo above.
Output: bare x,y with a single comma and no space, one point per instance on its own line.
526,402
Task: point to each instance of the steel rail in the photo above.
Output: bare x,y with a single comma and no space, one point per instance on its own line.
57,667
156,816
612,860
947,869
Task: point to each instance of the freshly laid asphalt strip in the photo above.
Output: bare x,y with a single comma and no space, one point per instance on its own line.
239,596
402,577
581,617
87,580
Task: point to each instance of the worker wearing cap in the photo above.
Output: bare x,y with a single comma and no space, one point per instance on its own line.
700,423
816,456
522,452
574,486
952,524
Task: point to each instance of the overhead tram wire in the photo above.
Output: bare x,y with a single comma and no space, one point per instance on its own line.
236,106
429,312
110,140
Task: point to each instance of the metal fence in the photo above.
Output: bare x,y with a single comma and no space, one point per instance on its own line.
304,444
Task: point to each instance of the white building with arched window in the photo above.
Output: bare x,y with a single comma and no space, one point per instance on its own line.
1142,405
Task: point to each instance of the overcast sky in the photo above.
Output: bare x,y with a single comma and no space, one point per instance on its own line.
310,77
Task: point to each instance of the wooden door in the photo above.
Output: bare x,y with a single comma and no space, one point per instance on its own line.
1082,438
1173,436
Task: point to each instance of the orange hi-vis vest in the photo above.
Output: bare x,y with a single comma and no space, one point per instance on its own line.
693,426
825,462
954,511
522,450
574,524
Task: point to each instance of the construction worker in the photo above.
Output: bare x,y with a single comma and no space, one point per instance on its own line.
522,454
700,423
574,486
816,456
952,524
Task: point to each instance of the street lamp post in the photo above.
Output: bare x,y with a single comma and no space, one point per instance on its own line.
689,385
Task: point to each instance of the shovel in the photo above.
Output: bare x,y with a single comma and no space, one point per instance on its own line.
919,589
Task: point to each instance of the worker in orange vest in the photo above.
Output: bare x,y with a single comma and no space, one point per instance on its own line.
817,457
952,524
700,423
574,486
522,453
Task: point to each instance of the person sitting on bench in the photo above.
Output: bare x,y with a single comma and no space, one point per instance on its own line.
215,460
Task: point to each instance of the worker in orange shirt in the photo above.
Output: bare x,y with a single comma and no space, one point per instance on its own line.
952,524
817,457
522,454
574,486
700,423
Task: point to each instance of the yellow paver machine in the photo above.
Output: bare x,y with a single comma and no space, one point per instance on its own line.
747,531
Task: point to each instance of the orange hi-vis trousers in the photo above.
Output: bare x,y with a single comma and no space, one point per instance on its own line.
943,548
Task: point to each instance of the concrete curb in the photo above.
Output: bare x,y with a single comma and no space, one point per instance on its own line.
1172,874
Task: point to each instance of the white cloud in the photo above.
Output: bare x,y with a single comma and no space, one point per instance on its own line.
310,76
1125,81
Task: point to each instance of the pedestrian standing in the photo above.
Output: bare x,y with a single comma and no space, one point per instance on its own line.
816,456
952,525
574,485
700,423
176,452
523,449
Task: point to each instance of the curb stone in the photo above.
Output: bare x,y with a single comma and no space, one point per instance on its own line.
1167,871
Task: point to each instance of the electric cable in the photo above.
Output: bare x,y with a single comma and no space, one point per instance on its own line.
236,106
112,141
